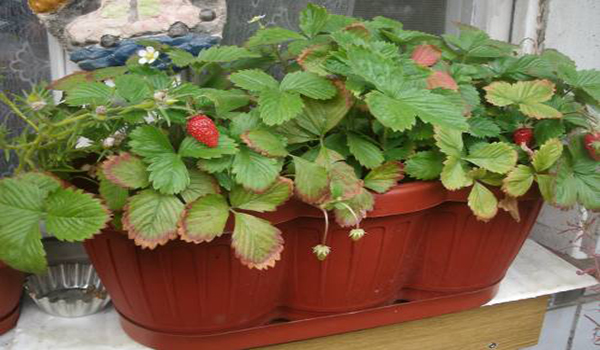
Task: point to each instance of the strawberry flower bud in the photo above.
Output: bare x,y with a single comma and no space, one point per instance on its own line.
356,234
321,251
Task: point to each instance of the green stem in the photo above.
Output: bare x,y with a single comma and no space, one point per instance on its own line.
17,111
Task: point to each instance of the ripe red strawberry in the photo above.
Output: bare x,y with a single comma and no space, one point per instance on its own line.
203,129
591,142
523,135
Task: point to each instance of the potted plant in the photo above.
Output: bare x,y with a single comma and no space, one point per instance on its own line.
334,169
11,288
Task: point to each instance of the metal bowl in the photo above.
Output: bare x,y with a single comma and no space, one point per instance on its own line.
68,290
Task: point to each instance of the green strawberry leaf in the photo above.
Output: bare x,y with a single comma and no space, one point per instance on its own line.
200,185
168,173
276,106
366,152
547,155
319,116
455,174
151,218
546,184
215,165
204,219
226,100
253,80
528,95
132,88
518,181
256,242
308,84
26,200
343,182
498,157
222,54
72,215
265,142
425,165
390,112
399,113
384,177
149,141
483,127
255,171
21,208
313,19
190,147
268,200
587,80
272,36
45,182
89,93
311,181
114,196
361,204
482,202
545,130
449,141
126,171
313,58
181,58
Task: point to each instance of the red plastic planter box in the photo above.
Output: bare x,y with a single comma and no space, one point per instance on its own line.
423,247
11,288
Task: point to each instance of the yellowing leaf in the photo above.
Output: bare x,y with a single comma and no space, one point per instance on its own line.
547,155
151,218
200,185
511,205
482,202
126,171
268,200
449,141
361,204
256,242
498,157
527,95
204,219
454,174
518,181
384,177
311,181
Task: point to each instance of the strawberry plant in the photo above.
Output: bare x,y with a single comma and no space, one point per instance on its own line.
330,115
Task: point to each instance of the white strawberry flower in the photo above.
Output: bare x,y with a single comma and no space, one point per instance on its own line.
148,56
109,83
150,118
83,142
108,142
321,251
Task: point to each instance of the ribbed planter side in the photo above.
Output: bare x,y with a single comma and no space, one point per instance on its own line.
11,289
460,253
356,275
182,287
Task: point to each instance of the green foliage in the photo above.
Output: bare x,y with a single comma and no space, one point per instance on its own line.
26,201
326,114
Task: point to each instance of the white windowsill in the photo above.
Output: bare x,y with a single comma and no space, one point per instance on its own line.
535,272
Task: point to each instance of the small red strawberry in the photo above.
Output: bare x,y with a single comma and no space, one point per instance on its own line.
203,129
523,135
591,142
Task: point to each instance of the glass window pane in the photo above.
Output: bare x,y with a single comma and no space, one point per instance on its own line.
23,59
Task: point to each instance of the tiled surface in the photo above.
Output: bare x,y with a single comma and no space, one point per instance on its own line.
535,272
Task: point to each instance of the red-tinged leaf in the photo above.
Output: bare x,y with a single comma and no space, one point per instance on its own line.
126,171
151,218
204,219
257,243
361,204
511,205
384,177
426,55
265,142
268,200
441,80
311,181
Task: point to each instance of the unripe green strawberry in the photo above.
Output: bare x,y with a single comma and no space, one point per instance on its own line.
203,129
